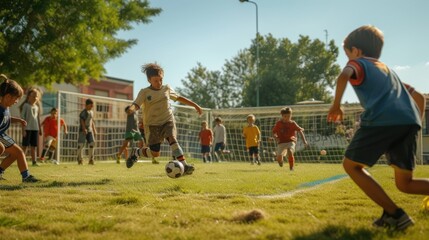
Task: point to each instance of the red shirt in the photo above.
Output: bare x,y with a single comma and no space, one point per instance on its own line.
206,137
285,131
50,127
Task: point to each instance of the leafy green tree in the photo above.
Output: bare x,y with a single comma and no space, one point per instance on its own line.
292,72
288,73
43,41
201,86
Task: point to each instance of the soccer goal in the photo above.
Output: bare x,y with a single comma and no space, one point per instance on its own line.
327,141
110,121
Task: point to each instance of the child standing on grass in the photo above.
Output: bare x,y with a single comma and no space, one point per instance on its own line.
132,134
219,133
252,134
158,117
30,112
206,140
285,133
10,93
389,124
50,132
87,132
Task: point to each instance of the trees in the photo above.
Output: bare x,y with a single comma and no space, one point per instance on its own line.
288,73
65,40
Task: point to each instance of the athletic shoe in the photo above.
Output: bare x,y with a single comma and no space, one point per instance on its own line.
91,161
118,158
281,164
154,161
79,161
30,179
259,162
34,164
189,169
388,221
132,158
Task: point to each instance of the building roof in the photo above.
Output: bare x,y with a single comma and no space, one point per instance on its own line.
117,79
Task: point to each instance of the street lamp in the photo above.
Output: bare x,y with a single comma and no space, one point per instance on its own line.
257,51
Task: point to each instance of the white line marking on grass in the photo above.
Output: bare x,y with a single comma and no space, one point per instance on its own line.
303,187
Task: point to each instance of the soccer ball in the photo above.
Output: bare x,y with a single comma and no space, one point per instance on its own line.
174,169
323,152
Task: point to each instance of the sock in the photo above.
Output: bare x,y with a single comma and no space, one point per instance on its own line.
25,174
177,151
291,160
209,158
145,152
1,170
43,153
204,159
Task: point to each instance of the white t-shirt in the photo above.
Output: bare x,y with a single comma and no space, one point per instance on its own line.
219,132
156,107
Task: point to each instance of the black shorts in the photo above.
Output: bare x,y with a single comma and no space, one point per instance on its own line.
31,138
399,143
205,149
253,150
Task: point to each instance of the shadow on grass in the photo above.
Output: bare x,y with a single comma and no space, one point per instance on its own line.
55,184
338,232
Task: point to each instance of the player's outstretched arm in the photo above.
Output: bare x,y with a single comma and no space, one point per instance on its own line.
190,103
335,112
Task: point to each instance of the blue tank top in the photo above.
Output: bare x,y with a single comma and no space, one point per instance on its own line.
383,96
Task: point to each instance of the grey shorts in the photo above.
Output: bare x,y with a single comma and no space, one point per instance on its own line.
157,134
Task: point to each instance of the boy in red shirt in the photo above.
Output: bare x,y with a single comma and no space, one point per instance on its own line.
206,140
50,132
285,133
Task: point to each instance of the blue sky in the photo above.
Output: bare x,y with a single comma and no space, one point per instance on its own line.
213,31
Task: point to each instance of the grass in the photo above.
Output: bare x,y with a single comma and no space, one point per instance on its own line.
109,201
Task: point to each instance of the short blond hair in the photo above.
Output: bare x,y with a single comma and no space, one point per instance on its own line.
251,116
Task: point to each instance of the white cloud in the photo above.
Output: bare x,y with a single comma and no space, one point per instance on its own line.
401,68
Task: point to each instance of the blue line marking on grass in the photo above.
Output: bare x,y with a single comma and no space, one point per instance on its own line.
325,180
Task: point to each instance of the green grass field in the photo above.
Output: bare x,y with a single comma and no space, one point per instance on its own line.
109,201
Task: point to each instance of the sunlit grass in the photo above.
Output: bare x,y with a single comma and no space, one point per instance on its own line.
109,201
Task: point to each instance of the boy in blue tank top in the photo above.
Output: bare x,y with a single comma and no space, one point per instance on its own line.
389,124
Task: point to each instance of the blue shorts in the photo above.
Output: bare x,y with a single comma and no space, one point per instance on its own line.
219,146
399,143
88,137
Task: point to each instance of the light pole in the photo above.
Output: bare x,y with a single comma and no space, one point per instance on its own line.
257,51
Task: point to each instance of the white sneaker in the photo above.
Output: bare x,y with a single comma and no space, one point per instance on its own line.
55,162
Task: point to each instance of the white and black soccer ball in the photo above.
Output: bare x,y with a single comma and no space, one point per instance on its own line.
174,169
